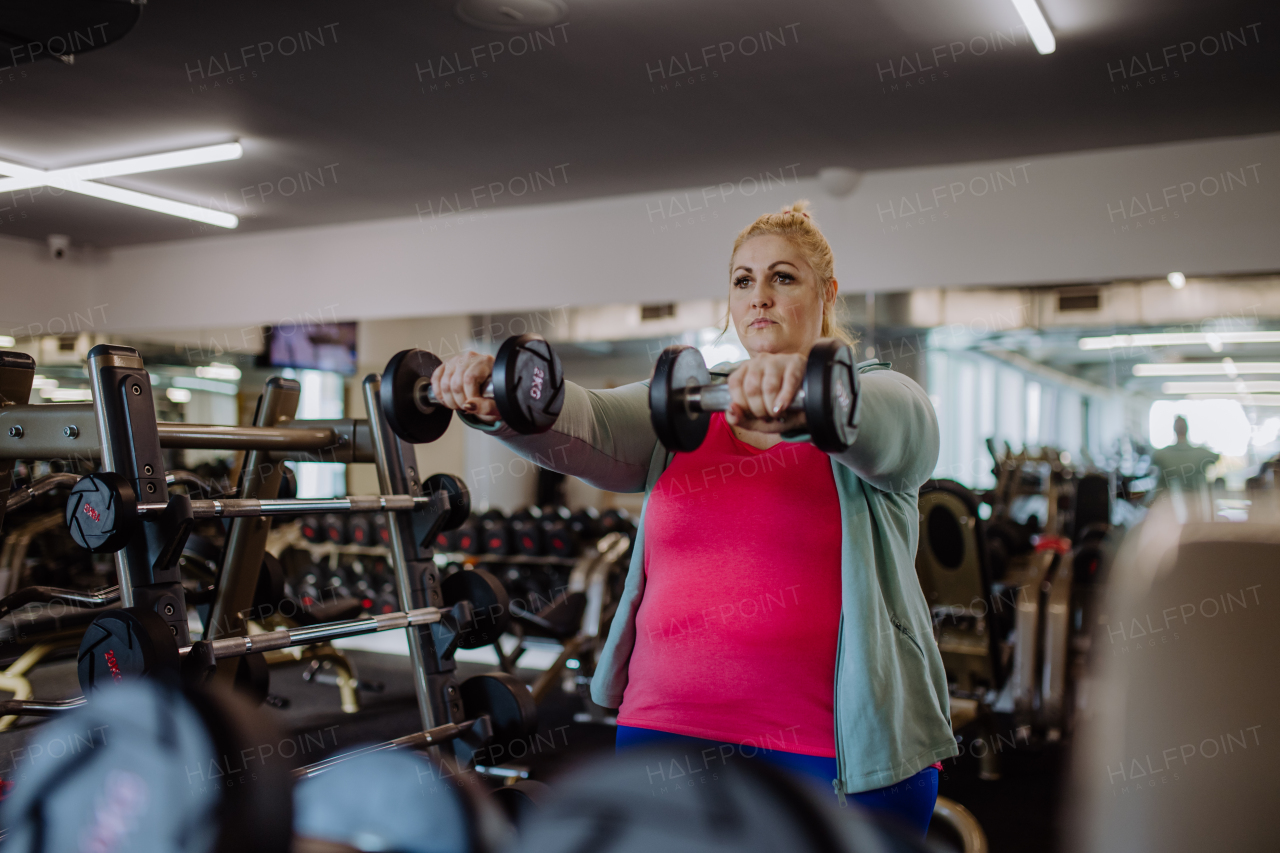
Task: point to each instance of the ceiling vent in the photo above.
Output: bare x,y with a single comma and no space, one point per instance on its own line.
511,16
1080,299
657,312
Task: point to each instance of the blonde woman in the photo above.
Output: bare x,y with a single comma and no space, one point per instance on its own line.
771,608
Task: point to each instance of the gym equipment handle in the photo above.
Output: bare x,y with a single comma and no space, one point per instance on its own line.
269,641
250,507
717,398
428,394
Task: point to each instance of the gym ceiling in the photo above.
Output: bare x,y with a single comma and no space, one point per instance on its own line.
357,106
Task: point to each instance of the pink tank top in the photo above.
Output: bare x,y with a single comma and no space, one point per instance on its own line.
737,631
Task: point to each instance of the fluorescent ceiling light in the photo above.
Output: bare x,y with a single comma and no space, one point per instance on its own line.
6,341
1221,388
218,371
205,385
1242,399
67,395
78,179
178,395
1214,340
1178,280
1037,26
1207,368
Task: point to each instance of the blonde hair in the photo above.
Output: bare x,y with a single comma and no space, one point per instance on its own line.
795,224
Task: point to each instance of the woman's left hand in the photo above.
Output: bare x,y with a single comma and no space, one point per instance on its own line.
762,388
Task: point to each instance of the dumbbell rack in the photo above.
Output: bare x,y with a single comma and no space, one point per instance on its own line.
129,440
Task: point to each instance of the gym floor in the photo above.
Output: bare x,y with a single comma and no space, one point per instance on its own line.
1017,811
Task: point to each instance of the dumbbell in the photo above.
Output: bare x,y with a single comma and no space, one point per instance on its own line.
617,521
381,530
335,528
103,512
585,524
527,385
359,530
495,532
526,530
682,398
312,529
558,537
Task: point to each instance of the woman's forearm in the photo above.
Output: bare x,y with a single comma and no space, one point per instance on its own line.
602,437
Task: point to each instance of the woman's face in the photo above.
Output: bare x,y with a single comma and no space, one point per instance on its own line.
774,298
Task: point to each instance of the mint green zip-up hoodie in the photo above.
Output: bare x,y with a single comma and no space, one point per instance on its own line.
890,690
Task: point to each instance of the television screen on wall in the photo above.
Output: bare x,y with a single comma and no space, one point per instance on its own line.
311,346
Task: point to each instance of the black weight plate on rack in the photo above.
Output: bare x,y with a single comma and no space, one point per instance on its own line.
126,644
678,367
831,396
102,512
359,530
402,396
528,384
489,603
459,497
509,704
335,528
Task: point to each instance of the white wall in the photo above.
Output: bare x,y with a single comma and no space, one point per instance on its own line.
1070,217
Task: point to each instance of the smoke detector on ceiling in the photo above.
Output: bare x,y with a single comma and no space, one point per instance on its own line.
510,16
838,181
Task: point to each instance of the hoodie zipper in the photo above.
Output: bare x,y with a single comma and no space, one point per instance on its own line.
835,783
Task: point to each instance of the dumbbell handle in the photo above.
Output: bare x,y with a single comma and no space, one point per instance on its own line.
269,641
718,398
427,393
252,508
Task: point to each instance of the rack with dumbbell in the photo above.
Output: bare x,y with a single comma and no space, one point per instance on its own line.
146,563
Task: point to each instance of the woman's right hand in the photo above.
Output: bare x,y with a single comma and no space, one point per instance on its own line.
459,383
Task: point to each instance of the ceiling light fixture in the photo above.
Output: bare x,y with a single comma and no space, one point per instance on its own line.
1245,400
1177,279
1226,367
80,179
1227,388
1179,339
1037,27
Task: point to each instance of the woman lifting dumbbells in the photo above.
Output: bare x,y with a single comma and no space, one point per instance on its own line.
771,608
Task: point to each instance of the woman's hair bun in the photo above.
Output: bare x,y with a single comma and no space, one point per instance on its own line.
799,208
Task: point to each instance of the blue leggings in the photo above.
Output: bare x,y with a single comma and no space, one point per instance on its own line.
909,802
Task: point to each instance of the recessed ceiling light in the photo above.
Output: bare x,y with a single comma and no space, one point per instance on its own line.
80,179
511,16
1177,279
1037,27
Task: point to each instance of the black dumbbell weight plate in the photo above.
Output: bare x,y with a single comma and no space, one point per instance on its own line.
831,396
489,603
402,396
459,498
510,706
678,368
359,530
126,644
102,512
528,384
335,528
